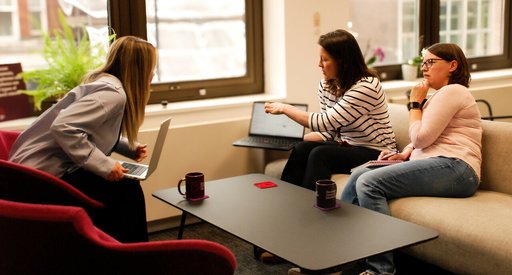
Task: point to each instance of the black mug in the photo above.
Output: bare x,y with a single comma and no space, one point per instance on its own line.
194,185
326,193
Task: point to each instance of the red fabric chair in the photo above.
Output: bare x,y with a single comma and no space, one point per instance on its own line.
25,184
53,239
7,138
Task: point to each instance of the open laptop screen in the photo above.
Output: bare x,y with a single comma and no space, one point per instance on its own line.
274,125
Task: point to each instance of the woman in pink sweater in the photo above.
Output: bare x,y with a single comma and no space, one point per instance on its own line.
444,155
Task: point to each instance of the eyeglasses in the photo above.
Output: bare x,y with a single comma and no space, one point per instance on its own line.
429,62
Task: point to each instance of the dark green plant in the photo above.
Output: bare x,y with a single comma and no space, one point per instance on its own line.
68,59
415,61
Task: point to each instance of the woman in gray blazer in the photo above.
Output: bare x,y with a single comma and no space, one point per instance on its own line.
73,139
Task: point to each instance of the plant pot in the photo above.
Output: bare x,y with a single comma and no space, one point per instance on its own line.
409,72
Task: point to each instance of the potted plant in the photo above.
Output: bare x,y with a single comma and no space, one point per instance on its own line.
69,58
410,70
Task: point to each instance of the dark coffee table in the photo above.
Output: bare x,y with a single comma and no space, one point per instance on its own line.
284,221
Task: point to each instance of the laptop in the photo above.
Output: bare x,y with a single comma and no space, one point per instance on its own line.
276,132
141,171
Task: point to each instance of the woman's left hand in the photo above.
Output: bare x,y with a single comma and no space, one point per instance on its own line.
141,152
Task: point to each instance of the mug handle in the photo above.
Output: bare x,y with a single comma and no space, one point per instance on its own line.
179,186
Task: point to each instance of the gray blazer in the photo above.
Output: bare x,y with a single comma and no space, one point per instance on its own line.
81,130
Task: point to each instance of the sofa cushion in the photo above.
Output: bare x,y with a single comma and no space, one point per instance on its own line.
476,228
400,121
496,155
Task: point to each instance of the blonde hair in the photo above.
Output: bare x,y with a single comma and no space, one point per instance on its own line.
132,60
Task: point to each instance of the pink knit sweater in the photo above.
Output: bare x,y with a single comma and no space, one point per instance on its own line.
450,127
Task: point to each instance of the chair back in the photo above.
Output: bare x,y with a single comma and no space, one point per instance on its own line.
54,239
25,184
7,138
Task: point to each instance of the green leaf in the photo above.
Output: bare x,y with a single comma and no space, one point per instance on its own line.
69,55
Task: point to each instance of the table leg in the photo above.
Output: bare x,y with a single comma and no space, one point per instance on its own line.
182,224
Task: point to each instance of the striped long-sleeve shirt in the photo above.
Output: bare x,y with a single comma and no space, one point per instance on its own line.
360,117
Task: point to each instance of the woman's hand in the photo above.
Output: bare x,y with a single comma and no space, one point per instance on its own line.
275,108
117,172
385,154
141,152
419,91
395,155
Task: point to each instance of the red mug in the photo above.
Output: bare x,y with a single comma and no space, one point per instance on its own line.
326,193
194,185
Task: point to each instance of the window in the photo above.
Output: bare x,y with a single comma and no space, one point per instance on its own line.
477,26
480,27
8,24
22,39
207,49
197,40
37,14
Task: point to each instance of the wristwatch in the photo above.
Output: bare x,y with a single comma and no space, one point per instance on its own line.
413,105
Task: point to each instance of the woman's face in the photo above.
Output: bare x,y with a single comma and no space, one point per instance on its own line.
437,70
328,65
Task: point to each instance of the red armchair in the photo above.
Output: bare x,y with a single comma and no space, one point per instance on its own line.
7,138
25,184
52,239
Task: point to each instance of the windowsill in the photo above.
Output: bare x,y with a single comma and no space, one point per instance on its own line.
206,111
184,113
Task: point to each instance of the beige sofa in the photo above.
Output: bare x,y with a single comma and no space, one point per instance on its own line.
475,234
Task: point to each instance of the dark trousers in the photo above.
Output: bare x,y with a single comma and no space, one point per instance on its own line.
311,161
124,215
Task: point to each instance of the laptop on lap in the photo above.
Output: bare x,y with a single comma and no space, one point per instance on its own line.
141,171
276,132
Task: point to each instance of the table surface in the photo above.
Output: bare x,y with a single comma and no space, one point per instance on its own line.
284,221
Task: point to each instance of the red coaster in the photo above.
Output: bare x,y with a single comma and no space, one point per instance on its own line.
329,208
198,199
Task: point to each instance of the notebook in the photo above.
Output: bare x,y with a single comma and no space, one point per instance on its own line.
141,171
277,132
377,163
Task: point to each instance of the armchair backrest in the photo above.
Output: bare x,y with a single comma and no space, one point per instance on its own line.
7,138
25,184
52,239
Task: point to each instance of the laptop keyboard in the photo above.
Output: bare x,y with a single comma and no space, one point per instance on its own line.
134,169
270,140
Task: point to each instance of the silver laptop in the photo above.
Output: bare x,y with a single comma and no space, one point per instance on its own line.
276,132
141,171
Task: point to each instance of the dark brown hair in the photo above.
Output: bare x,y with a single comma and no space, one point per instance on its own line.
343,48
450,52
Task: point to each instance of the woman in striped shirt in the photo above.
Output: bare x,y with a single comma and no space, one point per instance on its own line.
353,125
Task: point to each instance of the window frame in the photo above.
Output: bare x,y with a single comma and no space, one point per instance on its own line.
429,12
128,17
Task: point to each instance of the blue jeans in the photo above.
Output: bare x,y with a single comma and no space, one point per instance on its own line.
371,188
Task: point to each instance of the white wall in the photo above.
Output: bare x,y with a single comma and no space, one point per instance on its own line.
291,29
